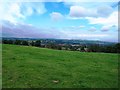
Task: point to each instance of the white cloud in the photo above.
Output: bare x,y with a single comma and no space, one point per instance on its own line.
90,0
74,28
9,11
105,28
79,11
61,0
112,20
83,35
56,16
28,11
81,26
18,11
92,35
15,10
104,10
31,8
92,29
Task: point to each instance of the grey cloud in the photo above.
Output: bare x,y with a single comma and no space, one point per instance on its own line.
81,12
104,10
27,31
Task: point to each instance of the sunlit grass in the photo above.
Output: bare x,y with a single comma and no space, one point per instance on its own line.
25,67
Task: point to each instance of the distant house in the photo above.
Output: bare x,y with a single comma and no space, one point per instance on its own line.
73,45
79,49
86,49
63,48
62,45
68,48
43,45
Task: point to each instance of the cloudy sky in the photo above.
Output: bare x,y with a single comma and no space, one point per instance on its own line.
60,19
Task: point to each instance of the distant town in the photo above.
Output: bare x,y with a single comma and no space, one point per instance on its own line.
64,44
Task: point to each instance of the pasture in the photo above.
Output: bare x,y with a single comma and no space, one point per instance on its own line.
33,67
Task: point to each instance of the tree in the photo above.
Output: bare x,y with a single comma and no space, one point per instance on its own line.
117,48
33,43
18,42
25,42
58,47
94,48
38,43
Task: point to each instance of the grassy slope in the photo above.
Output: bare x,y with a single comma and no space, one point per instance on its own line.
39,67
0,66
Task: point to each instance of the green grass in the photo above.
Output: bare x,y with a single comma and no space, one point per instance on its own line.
0,66
26,67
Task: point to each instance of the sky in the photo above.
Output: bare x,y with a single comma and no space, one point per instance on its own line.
60,20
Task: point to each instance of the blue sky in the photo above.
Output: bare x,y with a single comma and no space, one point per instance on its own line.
61,20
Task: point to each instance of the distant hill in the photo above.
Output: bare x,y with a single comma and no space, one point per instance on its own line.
64,41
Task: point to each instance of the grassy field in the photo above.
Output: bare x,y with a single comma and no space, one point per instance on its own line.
26,67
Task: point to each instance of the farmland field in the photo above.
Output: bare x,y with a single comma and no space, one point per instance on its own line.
26,67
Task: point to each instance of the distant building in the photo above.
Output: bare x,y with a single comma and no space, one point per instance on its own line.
79,49
42,45
63,48
86,49
73,45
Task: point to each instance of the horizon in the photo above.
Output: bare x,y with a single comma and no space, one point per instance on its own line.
96,21
57,39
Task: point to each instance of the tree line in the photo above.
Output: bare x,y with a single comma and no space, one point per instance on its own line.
114,48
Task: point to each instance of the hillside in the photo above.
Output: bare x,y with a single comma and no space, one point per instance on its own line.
25,67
